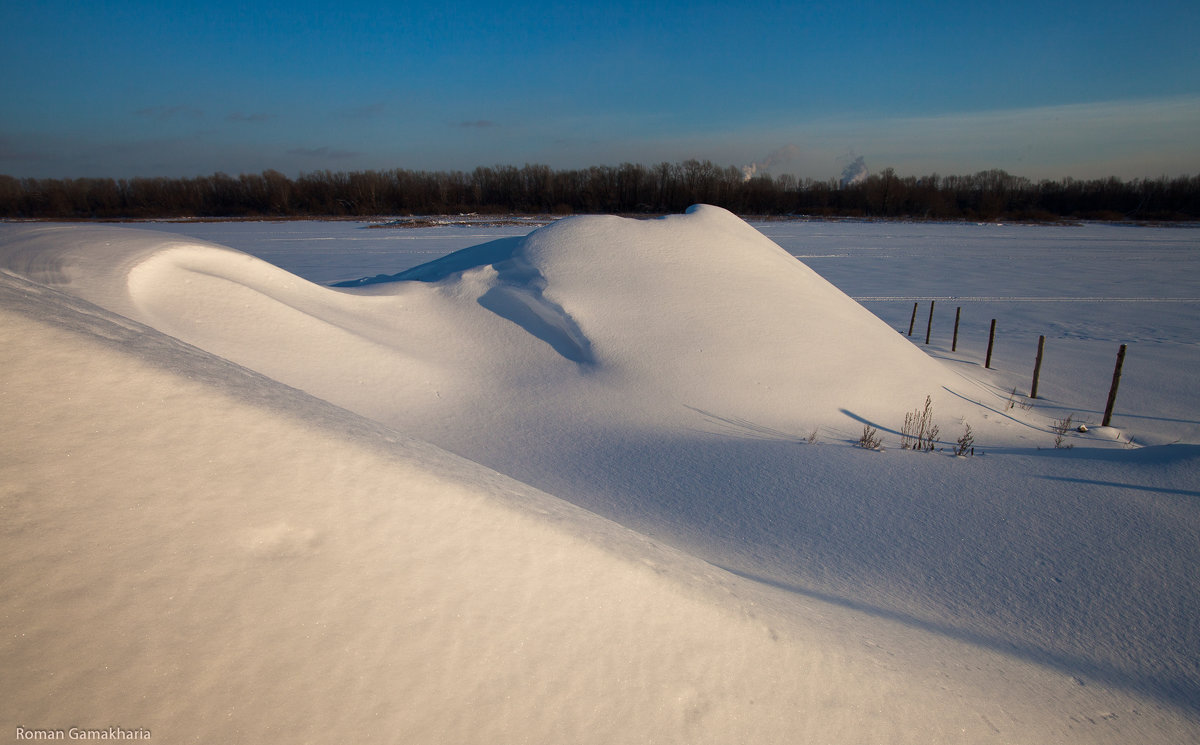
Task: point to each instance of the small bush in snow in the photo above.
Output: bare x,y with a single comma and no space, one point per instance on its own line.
1024,403
919,432
1060,429
870,438
966,443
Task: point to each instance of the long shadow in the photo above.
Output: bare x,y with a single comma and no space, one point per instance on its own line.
1118,485
1122,415
529,309
890,430
868,422
1177,690
1051,404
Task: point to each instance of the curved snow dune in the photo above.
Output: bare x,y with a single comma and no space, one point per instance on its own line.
662,323
664,374
198,551
710,319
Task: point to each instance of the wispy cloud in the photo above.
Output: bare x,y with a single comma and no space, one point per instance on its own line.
256,118
323,152
165,113
478,124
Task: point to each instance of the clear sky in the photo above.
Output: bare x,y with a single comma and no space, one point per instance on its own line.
1043,89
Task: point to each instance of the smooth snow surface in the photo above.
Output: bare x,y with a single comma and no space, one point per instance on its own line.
558,488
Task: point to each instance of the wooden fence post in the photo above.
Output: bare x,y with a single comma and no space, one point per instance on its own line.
929,326
1037,367
1112,392
957,314
991,339
912,320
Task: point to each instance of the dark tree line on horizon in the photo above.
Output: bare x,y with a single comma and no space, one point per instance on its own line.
624,189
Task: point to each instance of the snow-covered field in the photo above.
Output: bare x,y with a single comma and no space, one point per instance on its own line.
598,483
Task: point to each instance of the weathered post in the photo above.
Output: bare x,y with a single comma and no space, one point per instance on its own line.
991,339
1037,367
929,326
957,315
1112,392
912,320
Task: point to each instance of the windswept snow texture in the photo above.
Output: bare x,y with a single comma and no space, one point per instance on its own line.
739,570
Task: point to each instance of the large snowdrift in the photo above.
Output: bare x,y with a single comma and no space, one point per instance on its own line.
694,320
189,539
198,552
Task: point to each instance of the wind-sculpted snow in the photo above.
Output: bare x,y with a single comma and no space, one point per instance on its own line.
700,310
655,321
666,375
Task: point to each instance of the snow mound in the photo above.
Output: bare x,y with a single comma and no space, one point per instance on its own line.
693,320
700,308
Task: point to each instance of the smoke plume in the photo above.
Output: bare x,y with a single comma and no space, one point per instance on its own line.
774,158
855,172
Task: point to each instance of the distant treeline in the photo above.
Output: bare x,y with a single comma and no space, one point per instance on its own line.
623,189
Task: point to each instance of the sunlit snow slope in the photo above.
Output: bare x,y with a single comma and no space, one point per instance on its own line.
663,374
197,551
693,321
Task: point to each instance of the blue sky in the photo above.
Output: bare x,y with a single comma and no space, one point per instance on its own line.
1041,89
